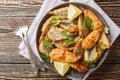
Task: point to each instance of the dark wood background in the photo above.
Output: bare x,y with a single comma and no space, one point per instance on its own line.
14,66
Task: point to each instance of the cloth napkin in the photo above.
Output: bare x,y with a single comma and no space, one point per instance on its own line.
49,4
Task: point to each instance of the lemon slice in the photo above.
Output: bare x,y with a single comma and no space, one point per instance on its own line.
73,12
61,67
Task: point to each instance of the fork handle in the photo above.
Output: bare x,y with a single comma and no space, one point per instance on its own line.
35,62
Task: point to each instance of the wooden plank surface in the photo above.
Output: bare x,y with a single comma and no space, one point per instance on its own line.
14,66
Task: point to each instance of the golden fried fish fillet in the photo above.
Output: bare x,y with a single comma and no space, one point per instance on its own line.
80,20
61,55
91,55
91,40
46,26
79,67
61,12
62,45
80,24
83,31
42,37
56,34
96,22
69,26
44,49
105,41
78,49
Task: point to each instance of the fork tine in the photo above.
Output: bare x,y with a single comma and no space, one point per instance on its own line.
8,21
25,20
16,22
21,19
12,23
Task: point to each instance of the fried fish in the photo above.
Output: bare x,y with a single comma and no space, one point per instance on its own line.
96,22
69,25
79,67
91,40
61,55
61,12
106,42
55,34
78,49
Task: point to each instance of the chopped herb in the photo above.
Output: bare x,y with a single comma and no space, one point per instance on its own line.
66,33
100,51
88,23
47,43
86,63
102,44
44,56
90,65
72,72
56,20
106,29
69,41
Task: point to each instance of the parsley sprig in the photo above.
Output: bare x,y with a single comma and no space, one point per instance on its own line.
47,43
71,71
106,29
69,39
90,65
56,20
102,44
88,23
44,57
66,33
100,51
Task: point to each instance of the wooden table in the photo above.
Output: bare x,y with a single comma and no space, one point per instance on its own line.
14,66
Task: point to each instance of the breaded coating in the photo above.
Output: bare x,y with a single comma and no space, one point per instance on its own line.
79,67
47,25
69,26
91,40
44,49
61,12
55,34
61,55
91,55
104,39
78,49
96,22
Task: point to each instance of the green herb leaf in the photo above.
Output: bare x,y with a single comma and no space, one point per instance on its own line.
69,41
102,44
92,65
66,33
47,43
100,51
86,63
106,29
88,23
44,56
56,20
72,72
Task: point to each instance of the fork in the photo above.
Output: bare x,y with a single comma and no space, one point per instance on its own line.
20,27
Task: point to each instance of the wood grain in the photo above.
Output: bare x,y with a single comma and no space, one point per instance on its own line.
14,66
16,71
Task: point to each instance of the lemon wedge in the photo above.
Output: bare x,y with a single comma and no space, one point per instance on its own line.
61,67
73,12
